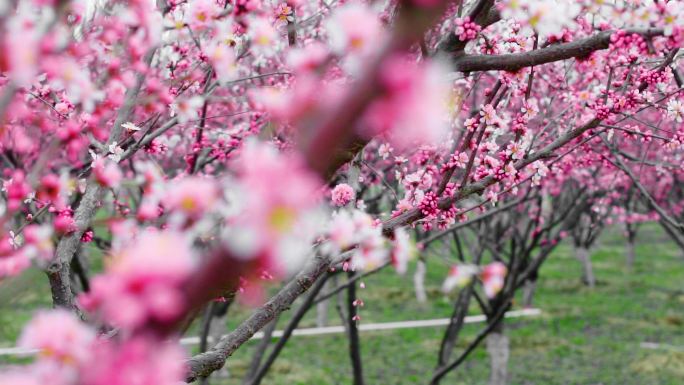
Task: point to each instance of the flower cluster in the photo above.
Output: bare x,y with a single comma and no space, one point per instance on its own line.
143,282
492,277
278,209
342,194
466,29
70,353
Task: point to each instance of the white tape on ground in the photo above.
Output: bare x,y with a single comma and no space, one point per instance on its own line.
657,346
16,351
379,326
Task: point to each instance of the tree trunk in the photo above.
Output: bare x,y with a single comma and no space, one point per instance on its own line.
419,282
322,311
498,348
216,327
287,332
260,351
354,343
455,325
631,253
582,253
528,292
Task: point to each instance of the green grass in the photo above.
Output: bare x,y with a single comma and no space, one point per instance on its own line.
585,336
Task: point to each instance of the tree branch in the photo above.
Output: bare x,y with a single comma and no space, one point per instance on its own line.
58,270
203,364
516,61
287,333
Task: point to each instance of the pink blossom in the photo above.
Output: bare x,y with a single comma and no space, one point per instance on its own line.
191,196
24,53
459,276
13,263
285,72
141,360
107,173
413,110
287,105
308,58
342,194
201,13
342,230
187,109
222,58
87,236
264,37
355,28
142,281
60,336
540,171
284,14
358,229
402,250
64,223
466,29
675,110
38,241
278,209
17,189
493,276
50,188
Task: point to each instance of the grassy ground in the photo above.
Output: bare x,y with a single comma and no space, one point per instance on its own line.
584,336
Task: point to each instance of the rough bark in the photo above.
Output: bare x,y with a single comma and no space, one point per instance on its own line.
552,53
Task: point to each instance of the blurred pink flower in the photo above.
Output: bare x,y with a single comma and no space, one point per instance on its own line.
342,194
17,189
38,240
107,173
413,110
402,250
192,196
140,360
459,276
201,13
278,205
60,336
142,281
493,276
354,27
222,58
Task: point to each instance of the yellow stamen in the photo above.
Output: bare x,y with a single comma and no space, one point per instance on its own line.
282,218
